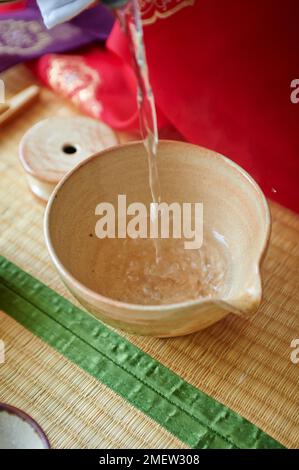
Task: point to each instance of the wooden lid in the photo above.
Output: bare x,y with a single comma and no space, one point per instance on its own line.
52,147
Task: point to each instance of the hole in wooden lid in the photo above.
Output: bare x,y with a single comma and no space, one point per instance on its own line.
69,149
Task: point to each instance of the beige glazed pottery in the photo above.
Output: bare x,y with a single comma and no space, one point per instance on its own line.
18,430
234,206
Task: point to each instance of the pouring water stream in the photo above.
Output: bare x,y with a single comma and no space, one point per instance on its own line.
171,274
130,19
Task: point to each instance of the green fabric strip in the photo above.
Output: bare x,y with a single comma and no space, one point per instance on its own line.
188,413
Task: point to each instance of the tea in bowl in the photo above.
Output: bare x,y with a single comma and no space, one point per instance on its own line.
154,286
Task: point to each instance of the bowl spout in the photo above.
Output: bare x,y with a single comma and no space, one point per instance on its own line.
247,301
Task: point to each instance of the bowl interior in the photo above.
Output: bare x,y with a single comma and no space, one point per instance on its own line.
235,210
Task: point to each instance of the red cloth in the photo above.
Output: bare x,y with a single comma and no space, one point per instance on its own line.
221,73
7,7
99,82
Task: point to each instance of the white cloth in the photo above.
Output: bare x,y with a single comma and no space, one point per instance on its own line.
58,11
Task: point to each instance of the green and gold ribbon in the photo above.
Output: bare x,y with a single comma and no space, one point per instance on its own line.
188,413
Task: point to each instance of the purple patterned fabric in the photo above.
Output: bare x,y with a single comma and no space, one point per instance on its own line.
23,35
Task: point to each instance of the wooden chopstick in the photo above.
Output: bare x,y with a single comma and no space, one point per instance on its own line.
3,107
18,103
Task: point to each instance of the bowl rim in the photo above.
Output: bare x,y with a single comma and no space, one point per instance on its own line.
222,301
13,410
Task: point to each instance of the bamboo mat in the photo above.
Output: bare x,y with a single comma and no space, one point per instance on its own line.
245,364
80,412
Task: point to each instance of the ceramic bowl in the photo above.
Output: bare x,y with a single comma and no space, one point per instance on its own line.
234,207
19,431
